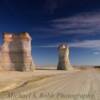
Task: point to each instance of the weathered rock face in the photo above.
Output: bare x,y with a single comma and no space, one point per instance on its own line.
16,52
64,63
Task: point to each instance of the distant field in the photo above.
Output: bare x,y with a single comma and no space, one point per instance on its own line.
50,85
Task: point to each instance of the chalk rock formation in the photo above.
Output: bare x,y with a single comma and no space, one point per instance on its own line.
64,63
16,52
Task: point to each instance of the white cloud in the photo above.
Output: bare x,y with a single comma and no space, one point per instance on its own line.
93,44
96,53
88,44
78,24
46,46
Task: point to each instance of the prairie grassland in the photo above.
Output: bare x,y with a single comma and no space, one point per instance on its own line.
50,85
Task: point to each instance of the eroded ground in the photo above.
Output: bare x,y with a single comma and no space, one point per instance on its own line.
50,85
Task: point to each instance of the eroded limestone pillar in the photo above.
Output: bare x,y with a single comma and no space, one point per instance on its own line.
63,59
16,52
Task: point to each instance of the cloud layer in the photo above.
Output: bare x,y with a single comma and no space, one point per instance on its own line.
87,44
85,23
92,44
81,24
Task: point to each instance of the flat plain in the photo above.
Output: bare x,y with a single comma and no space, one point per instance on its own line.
50,84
